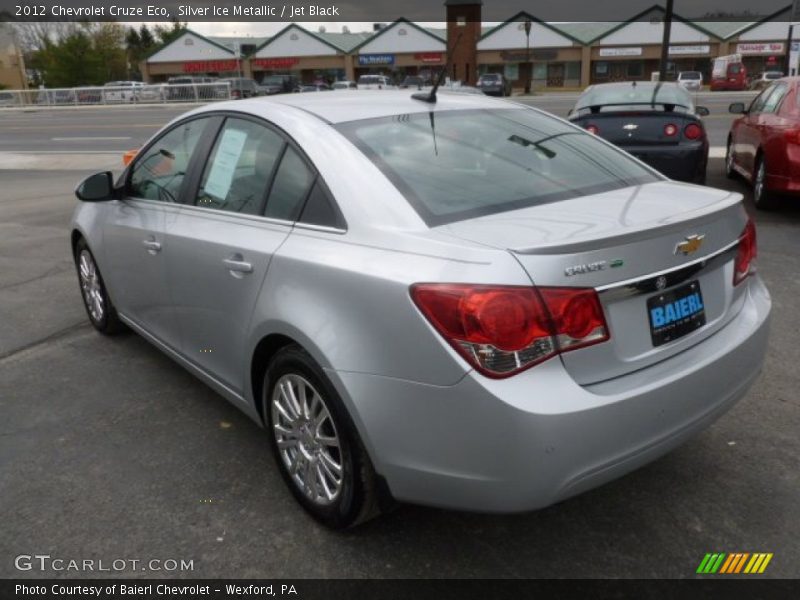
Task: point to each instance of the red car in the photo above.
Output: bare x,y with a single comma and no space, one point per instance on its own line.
764,143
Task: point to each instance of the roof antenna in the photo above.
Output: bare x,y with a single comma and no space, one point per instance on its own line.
431,96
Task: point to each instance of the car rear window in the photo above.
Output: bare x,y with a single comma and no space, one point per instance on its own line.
690,75
455,165
639,97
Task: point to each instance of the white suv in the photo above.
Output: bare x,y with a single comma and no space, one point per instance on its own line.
691,80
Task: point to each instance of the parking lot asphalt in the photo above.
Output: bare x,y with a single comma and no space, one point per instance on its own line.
109,450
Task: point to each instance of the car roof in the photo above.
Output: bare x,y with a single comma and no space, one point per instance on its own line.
367,104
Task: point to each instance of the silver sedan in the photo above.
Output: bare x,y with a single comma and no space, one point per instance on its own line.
452,301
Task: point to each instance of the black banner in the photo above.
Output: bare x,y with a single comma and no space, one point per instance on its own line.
429,589
380,10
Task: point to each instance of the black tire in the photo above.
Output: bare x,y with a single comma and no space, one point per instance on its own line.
730,172
763,199
106,321
358,497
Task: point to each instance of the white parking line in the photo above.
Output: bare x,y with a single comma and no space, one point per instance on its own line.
88,139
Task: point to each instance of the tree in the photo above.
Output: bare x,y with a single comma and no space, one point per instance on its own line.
82,54
169,34
139,44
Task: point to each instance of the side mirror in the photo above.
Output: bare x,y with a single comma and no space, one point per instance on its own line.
702,111
96,188
737,108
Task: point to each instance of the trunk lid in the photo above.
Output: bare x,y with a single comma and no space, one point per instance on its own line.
620,243
637,128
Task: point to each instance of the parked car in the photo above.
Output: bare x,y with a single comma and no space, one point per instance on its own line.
494,84
189,88
375,82
344,85
57,96
765,79
314,87
279,84
692,81
764,142
729,73
414,81
242,87
655,122
151,92
121,91
89,95
9,99
355,272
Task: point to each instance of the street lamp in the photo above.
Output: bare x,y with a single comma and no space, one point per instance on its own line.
528,56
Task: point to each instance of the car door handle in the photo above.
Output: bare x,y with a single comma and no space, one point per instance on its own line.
236,265
152,246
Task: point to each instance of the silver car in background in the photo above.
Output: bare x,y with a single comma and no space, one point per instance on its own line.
464,303
691,80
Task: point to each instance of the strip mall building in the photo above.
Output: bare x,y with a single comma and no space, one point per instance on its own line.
563,55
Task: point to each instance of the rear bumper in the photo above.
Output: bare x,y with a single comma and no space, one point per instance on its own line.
682,162
534,439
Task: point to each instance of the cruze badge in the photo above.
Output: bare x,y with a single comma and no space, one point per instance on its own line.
690,245
585,268
630,127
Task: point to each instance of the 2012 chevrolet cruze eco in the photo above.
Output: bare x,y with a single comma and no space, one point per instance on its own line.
464,303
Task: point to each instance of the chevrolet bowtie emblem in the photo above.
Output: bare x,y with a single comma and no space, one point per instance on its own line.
690,245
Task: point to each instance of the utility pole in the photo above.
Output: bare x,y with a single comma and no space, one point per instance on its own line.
528,56
662,72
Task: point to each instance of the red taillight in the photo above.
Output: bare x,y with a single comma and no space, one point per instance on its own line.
693,131
746,253
670,129
593,129
502,330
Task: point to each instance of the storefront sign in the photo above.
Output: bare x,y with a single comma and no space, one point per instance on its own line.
620,51
275,63
766,48
369,60
210,66
428,57
683,50
521,57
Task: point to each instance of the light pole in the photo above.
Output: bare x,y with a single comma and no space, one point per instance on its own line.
528,56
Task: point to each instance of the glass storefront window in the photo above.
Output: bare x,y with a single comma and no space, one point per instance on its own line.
539,70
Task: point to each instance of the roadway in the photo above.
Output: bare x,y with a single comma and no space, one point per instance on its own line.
119,128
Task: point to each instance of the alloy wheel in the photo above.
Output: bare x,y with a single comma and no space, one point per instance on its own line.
91,286
758,185
307,439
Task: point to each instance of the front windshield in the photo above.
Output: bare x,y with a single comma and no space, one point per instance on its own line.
640,96
454,165
273,80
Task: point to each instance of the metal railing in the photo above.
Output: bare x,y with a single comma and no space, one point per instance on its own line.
155,93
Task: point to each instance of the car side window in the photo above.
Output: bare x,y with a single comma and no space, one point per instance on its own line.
758,104
240,167
158,174
774,100
320,209
290,188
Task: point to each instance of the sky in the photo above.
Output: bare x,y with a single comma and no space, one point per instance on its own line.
265,29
